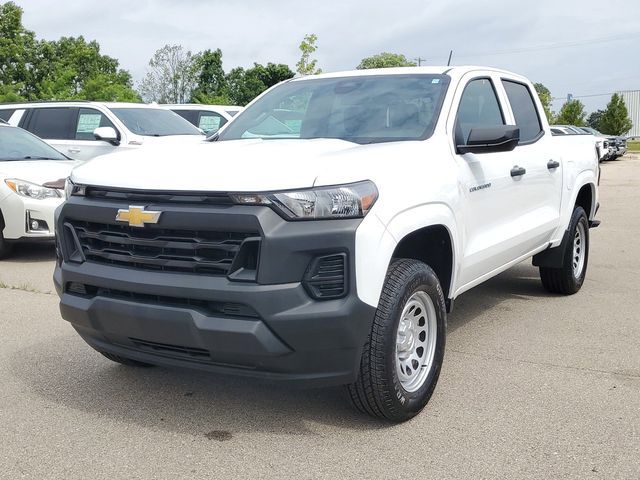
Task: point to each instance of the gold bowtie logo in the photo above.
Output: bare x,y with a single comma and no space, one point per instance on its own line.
137,216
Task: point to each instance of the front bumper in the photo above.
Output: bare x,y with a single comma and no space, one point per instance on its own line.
270,328
17,212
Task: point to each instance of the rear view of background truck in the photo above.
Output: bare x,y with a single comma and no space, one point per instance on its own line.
329,249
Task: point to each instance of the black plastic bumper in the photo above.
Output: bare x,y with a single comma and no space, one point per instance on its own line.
270,330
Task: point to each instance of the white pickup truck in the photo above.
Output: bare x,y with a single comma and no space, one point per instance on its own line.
324,236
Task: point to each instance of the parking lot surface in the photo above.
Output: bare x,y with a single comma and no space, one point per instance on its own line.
534,385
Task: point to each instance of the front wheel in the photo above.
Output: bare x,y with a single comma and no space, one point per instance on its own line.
568,279
402,358
5,248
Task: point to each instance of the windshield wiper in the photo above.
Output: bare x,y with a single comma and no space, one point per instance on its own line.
35,157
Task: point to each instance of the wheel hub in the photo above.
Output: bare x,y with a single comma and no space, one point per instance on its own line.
416,341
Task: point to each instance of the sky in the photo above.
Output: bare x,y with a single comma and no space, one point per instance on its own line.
582,47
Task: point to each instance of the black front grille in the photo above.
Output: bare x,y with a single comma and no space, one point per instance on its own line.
202,252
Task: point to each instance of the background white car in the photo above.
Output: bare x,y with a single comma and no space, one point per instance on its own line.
32,177
84,130
208,118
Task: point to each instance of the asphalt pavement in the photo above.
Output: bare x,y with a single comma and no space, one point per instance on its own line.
533,385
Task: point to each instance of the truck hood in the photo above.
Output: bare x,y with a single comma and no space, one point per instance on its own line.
36,171
237,165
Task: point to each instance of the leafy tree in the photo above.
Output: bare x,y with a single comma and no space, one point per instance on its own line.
171,76
385,60
65,69
245,85
593,120
571,113
305,65
210,79
545,98
615,119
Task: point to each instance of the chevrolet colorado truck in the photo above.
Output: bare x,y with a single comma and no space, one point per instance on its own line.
324,235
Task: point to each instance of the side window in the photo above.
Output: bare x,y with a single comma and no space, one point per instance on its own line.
190,116
88,120
479,107
6,114
53,123
210,121
524,110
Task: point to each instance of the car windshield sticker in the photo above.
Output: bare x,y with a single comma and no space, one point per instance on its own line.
209,123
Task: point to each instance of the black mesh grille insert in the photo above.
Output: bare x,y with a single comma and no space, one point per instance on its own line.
202,252
326,276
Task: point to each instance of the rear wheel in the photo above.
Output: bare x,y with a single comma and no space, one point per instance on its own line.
125,361
569,278
402,358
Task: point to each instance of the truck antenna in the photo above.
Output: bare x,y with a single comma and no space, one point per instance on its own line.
450,55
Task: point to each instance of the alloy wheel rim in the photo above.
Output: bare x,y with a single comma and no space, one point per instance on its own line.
416,341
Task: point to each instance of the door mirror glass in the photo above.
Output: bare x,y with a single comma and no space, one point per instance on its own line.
491,139
108,134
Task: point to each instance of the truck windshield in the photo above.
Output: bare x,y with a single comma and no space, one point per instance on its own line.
154,122
17,144
362,109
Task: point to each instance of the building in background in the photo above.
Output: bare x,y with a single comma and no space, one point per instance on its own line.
632,101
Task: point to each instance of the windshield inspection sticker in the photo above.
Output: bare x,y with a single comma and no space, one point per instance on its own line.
435,80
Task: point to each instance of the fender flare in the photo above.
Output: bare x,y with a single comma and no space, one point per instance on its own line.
373,258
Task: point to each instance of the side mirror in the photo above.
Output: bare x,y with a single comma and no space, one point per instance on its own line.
108,134
491,139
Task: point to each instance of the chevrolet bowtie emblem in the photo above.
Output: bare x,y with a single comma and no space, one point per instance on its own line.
137,216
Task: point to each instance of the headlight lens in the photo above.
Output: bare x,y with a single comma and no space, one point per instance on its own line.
71,188
342,201
31,190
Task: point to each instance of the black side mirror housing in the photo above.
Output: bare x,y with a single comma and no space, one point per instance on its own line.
491,139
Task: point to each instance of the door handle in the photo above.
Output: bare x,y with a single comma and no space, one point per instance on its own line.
551,164
518,171
74,150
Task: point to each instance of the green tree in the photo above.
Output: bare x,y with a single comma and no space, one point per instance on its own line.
65,69
545,98
593,120
385,60
571,113
245,85
305,65
16,51
615,119
171,76
211,82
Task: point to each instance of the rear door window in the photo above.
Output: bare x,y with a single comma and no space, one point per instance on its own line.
55,123
88,120
524,110
6,114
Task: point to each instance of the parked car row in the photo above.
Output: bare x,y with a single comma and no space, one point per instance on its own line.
609,147
40,143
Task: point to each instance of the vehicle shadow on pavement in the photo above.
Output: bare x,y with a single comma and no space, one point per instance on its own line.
521,282
31,253
66,371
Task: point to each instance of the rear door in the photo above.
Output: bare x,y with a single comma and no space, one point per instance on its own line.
541,185
492,200
53,124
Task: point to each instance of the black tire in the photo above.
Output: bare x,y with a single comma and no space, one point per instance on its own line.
5,248
126,361
563,280
378,391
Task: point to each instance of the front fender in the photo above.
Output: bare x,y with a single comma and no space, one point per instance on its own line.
376,242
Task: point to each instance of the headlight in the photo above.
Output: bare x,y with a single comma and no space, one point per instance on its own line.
341,201
71,188
31,190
